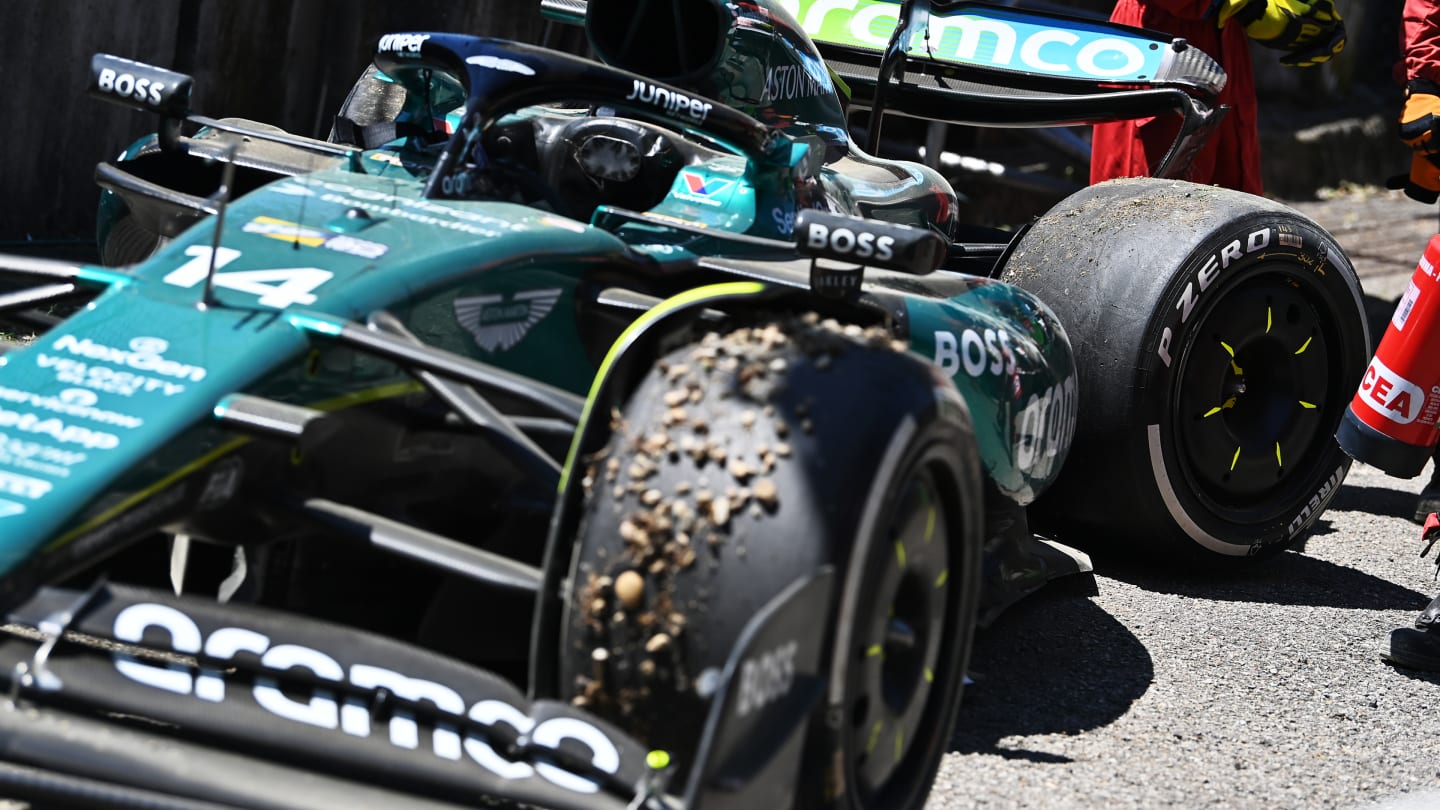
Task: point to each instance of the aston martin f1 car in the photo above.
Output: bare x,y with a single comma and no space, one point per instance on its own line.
621,433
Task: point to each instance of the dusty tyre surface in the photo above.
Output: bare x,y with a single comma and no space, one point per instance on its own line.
1218,338
741,464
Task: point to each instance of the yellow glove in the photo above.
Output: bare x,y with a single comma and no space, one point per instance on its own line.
1310,32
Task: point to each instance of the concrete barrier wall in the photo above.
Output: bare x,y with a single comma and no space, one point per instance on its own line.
278,61
290,62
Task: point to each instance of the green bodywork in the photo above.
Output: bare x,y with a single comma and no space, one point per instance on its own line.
108,421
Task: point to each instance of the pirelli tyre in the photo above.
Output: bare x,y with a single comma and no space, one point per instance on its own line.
745,463
1218,337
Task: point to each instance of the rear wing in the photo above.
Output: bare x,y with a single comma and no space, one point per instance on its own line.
981,64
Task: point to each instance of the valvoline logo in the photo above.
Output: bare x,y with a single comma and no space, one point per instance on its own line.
705,186
696,187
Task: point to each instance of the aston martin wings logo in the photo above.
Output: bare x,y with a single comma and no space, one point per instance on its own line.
498,324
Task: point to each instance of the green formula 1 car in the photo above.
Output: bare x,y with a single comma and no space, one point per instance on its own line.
620,433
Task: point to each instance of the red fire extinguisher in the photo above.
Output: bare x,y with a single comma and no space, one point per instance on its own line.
1391,422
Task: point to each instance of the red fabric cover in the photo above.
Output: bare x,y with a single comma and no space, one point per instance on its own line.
1231,158
1421,48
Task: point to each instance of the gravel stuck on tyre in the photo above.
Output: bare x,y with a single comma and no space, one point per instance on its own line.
743,463
1218,337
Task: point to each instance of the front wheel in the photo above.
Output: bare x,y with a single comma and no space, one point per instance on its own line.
1218,338
741,464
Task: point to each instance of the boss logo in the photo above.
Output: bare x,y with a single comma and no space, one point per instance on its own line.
847,242
127,85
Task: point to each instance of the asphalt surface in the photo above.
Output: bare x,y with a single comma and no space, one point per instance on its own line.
1259,688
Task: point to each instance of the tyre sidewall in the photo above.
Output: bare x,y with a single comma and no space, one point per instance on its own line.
1194,291
916,444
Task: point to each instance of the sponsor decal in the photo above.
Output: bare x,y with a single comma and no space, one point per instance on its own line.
39,458
1205,277
862,245
986,37
78,402
408,45
1045,427
979,353
23,486
784,221
497,324
322,710
702,186
1389,394
766,677
126,85
497,63
789,82
11,508
144,354
414,209
294,233
696,187
1314,506
103,378
58,430
293,189
674,103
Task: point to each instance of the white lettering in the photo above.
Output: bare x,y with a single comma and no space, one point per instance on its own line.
767,677
403,44
1205,276
322,710
946,357
131,624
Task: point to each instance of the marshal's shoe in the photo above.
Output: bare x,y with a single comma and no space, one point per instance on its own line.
1417,647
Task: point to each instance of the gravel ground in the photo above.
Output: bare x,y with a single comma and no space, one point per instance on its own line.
1259,688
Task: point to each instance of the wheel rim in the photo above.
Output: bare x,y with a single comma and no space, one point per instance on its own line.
1253,407
897,652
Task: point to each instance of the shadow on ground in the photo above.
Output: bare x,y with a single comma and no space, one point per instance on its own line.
1053,664
1380,501
1289,578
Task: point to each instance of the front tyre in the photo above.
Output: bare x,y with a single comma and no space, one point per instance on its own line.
743,463
1218,338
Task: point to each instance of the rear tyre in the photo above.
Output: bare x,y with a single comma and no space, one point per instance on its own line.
1218,338
743,463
